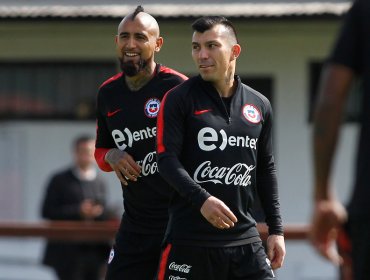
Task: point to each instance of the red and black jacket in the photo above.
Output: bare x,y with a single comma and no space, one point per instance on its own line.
205,149
127,120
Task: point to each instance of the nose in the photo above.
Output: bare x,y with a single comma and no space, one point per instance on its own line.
203,54
130,44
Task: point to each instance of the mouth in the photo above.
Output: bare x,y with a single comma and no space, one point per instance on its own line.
131,54
205,66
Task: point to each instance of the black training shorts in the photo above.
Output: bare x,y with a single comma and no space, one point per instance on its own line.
134,256
179,262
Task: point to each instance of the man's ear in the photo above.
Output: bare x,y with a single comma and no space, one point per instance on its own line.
235,52
158,44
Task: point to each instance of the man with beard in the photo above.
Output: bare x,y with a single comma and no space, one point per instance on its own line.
127,107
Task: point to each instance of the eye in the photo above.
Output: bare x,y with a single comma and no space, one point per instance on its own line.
195,47
212,46
123,36
140,37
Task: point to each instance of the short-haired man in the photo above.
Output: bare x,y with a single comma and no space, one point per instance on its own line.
77,193
214,146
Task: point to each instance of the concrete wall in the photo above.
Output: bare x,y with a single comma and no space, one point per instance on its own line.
279,49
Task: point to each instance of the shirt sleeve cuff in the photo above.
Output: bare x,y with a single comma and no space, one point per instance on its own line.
100,159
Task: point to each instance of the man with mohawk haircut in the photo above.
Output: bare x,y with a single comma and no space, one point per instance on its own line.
127,107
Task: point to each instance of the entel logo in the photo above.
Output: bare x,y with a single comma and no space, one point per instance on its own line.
207,136
127,138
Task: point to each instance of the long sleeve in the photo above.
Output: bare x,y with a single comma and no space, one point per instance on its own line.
103,138
267,185
54,206
170,137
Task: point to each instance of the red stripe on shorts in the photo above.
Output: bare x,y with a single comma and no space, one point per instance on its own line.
163,262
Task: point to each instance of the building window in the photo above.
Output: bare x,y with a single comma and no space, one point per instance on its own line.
51,90
263,85
353,107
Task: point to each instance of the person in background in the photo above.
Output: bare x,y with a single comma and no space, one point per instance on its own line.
349,58
127,108
214,146
77,193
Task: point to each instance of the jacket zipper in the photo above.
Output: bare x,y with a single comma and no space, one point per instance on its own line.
227,113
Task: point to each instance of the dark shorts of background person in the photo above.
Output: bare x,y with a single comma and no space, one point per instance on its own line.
358,247
214,263
345,250
135,256
77,261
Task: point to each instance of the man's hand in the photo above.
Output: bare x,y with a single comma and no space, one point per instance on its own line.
217,213
90,210
123,164
276,250
329,215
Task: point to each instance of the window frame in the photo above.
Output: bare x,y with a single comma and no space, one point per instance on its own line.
39,103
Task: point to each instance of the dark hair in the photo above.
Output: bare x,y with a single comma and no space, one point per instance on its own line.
82,139
138,9
208,22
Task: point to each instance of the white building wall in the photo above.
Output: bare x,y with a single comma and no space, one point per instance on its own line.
44,148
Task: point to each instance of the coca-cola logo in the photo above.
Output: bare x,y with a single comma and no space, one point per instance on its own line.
171,277
148,164
237,175
185,268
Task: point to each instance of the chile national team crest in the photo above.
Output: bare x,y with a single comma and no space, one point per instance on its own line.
251,113
151,107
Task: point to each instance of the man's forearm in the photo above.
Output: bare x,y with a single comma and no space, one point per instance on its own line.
327,119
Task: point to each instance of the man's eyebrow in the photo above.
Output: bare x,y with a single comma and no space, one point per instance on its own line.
207,42
136,34
212,42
